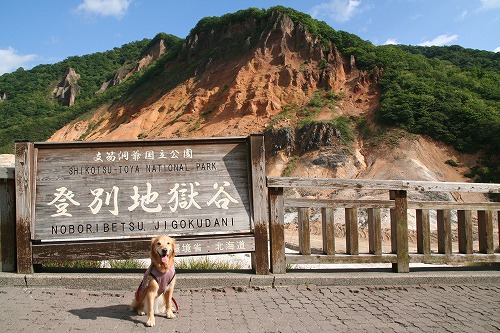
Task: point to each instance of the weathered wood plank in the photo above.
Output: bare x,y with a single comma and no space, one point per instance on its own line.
260,258
453,258
465,240
138,143
137,249
25,191
340,259
485,231
295,259
444,231
7,225
304,231
365,184
423,231
498,218
375,231
401,224
320,203
393,221
276,230
452,205
6,172
328,230
351,231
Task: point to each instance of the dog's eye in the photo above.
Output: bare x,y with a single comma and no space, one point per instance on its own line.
158,243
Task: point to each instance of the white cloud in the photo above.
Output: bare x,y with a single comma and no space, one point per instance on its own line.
116,8
10,60
391,41
440,40
497,49
489,4
339,10
463,15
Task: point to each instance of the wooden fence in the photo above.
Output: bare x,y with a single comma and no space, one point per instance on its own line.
398,204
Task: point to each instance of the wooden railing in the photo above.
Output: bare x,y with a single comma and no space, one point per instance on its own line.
400,256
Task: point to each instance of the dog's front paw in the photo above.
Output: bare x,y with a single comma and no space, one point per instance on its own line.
151,322
170,314
141,313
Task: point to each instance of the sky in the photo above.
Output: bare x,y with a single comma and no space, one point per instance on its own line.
34,32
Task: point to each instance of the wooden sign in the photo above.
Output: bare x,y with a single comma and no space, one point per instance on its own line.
109,190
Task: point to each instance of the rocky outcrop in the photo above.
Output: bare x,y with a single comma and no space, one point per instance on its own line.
316,135
156,51
311,136
279,140
117,79
67,90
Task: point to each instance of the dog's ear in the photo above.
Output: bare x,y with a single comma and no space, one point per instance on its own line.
153,245
173,248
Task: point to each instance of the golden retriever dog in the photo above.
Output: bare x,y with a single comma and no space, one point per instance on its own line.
159,280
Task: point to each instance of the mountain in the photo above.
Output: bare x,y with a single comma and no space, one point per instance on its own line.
329,103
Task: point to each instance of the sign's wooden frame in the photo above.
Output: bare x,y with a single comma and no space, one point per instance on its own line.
36,246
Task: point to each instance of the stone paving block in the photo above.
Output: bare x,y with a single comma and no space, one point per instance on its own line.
290,309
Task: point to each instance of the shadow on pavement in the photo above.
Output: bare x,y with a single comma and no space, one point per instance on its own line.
120,311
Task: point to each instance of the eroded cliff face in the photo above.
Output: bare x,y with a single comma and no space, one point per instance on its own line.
270,68
281,66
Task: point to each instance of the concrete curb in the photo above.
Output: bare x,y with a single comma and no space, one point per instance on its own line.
130,281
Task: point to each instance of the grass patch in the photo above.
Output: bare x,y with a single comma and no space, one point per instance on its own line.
74,264
86,264
288,112
126,264
346,128
290,166
205,264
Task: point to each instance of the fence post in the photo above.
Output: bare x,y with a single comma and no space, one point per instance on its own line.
465,240
304,231
24,205
328,230
423,232
498,219
444,231
260,259
375,231
277,230
7,218
400,224
351,231
485,231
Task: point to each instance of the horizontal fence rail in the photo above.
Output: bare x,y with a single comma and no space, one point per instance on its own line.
399,207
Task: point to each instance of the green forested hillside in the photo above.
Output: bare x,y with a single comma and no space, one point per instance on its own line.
450,93
31,112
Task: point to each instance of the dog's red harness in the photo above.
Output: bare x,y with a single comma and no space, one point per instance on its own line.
163,280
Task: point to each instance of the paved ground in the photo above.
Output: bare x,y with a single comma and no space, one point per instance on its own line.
302,308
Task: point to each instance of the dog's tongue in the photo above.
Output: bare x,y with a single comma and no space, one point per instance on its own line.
164,259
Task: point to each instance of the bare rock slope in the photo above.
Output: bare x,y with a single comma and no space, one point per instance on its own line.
275,74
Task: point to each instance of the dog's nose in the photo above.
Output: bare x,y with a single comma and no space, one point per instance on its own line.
164,252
